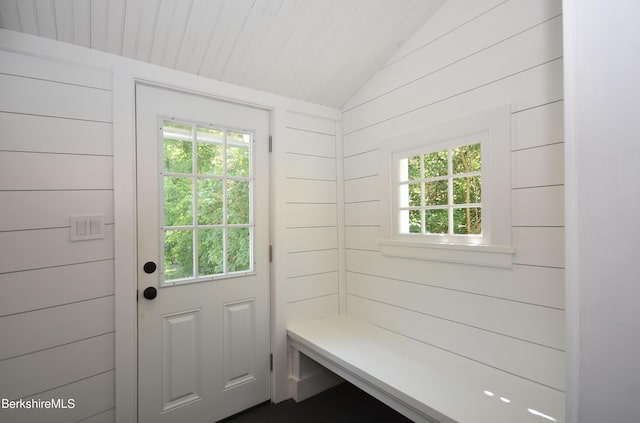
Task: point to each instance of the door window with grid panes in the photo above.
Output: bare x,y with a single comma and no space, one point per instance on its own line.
207,181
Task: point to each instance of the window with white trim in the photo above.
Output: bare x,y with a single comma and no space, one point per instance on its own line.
439,190
451,191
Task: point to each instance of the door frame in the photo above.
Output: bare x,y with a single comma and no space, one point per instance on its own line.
125,209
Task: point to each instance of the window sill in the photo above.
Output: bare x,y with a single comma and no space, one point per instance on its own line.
479,255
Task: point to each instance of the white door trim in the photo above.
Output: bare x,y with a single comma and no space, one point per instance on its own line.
124,195
124,164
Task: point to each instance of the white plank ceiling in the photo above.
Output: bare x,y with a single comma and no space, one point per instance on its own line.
321,51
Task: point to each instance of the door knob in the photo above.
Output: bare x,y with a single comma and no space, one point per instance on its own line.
149,267
150,293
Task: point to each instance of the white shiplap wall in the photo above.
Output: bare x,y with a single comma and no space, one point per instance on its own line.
311,212
470,57
85,177
56,297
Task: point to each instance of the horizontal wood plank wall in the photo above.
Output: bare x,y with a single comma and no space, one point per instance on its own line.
56,297
312,218
466,60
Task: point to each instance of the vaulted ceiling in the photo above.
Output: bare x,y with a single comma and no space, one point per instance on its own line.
321,51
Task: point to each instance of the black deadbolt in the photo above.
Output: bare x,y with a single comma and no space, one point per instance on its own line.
149,267
150,293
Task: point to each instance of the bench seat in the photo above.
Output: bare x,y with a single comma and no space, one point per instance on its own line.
425,383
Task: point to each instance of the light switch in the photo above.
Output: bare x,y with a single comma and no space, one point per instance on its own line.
81,227
85,228
95,226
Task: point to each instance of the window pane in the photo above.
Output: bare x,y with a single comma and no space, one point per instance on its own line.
210,158
466,159
238,249
467,221
178,255
238,161
178,201
435,164
178,148
403,220
210,135
414,195
415,221
403,195
436,193
413,165
238,153
238,138
403,170
238,202
210,252
467,190
210,202
436,221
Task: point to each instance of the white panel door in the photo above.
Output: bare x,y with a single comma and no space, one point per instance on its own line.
203,239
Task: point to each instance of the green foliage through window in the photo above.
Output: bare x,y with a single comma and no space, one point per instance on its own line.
207,184
441,192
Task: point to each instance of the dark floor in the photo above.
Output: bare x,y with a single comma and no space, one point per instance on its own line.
343,404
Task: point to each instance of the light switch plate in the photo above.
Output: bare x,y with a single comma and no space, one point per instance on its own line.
84,228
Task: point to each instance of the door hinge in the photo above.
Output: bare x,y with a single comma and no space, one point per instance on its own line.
137,294
270,253
271,362
270,143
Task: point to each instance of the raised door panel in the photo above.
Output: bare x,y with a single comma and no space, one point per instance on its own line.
239,340
181,359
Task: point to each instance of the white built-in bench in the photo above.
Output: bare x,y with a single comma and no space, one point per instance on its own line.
425,383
